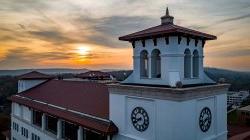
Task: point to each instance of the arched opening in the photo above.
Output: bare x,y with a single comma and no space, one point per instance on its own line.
144,63
195,63
187,64
155,64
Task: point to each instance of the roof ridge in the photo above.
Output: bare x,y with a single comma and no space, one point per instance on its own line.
142,30
165,29
35,75
46,81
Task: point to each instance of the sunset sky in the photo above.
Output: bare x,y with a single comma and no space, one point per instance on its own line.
84,33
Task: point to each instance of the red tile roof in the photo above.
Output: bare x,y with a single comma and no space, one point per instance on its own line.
166,29
94,74
35,75
86,97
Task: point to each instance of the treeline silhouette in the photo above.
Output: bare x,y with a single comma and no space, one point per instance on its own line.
238,80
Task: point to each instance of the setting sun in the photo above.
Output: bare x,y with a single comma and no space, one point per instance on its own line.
83,50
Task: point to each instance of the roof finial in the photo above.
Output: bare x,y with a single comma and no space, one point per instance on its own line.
167,12
167,19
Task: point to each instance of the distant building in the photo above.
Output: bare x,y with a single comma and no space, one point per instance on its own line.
167,97
236,98
32,79
95,75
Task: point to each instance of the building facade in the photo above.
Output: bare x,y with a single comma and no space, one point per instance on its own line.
167,97
236,98
61,109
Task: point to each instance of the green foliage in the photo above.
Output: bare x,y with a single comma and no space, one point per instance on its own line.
246,102
8,87
232,117
4,124
238,80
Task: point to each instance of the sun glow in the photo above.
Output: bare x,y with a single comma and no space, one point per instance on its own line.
83,50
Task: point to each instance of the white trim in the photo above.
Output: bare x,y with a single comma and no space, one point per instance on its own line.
55,106
172,55
39,102
62,108
87,115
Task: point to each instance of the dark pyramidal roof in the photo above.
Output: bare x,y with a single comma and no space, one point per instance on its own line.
166,28
34,75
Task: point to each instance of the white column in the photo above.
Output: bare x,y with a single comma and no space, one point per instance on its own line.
43,121
84,134
59,129
108,137
201,67
21,111
191,64
12,108
80,133
137,67
31,115
149,66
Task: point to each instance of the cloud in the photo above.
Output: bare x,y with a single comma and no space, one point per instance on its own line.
106,30
52,36
241,52
234,18
5,29
62,24
23,56
6,38
120,25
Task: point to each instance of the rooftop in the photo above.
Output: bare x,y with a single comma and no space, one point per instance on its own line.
81,102
34,75
246,108
165,29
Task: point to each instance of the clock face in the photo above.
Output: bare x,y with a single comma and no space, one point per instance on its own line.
140,119
205,119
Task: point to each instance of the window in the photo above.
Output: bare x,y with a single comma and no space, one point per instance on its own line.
156,64
37,118
35,137
15,126
187,64
51,124
195,64
167,40
144,63
69,130
17,109
24,132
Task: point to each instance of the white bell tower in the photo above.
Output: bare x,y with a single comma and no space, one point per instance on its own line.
167,54
168,96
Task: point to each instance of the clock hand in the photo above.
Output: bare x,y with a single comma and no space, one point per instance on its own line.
206,121
137,119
